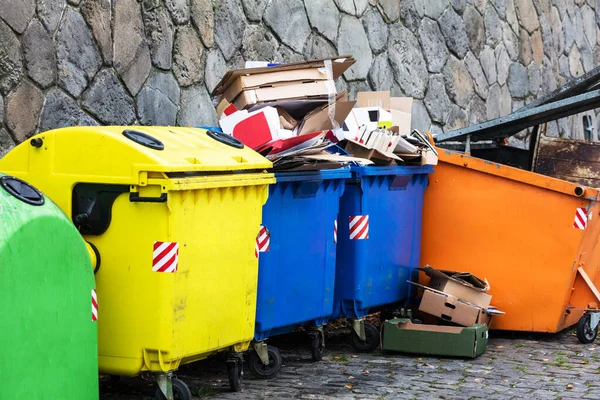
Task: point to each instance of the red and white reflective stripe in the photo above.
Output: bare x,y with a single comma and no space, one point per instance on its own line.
335,231
165,257
581,219
94,306
359,227
256,249
264,240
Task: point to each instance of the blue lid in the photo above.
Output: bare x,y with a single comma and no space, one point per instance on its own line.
211,128
324,174
392,170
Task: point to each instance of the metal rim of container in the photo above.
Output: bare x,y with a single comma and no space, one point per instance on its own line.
144,139
225,139
22,190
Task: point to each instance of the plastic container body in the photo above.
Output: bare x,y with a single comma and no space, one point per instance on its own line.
379,238
534,238
296,272
49,335
174,215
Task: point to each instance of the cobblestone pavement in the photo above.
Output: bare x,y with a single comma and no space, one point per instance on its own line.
515,366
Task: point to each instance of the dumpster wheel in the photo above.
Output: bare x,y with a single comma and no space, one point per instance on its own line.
371,342
262,371
317,347
181,391
235,373
585,333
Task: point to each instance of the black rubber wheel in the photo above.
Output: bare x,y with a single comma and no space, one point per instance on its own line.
181,391
236,375
316,348
368,345
585,333
262,371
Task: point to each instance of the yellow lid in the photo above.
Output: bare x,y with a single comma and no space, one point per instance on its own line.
123,152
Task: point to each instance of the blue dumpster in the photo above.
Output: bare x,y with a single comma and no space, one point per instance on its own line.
296,273
379,240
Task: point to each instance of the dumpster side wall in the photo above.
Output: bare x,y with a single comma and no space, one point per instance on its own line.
519,236
207,305
159,60
46,280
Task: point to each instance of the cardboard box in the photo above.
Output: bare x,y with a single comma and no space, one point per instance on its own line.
281,73
451,309
267,79
402,104
316,89
403,336
463,285
373,99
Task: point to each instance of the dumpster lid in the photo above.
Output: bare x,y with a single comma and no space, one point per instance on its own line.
124,151
392,170
22,190
326,174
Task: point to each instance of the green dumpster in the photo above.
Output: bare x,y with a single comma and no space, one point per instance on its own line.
48,325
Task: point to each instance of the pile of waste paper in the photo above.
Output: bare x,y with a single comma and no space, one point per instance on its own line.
293,115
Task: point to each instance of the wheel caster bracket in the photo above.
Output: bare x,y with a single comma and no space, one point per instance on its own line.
165,385
358,325
314,332
262,350
594,319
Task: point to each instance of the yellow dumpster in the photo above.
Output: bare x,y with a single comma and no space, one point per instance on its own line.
172,215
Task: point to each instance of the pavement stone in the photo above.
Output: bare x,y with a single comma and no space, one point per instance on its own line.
516,366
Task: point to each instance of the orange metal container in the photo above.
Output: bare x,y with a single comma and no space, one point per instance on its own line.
516,229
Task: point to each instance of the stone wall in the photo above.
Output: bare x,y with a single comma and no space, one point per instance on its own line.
83,62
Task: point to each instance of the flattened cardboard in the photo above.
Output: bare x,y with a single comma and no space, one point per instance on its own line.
255,81
318,120
339,65
378,157
403,336
317,89
449,308
373,99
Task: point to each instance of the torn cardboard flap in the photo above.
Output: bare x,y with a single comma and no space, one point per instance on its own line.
462,285
339,66
285,119
463,278
318,119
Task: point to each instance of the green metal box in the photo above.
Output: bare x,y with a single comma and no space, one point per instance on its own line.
403,336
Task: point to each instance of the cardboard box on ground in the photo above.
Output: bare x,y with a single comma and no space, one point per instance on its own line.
456,297
292,114
457,306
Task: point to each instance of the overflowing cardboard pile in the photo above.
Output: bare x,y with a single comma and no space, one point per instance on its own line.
459,305
293,115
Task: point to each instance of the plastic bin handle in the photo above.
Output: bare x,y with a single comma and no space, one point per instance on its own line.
135,197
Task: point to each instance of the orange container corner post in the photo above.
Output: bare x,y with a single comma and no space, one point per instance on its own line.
534,238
